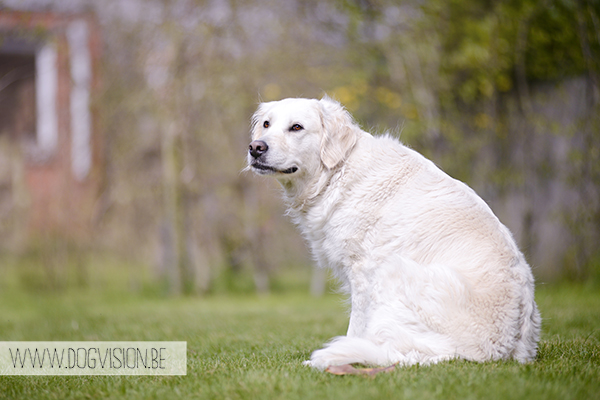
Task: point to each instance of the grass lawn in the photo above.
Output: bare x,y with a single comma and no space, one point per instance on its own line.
250,347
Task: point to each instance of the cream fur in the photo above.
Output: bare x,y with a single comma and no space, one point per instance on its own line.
431,272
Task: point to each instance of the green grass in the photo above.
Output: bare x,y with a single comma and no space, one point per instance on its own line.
250,347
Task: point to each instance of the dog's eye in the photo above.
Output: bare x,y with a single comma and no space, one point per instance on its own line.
266,124
296,127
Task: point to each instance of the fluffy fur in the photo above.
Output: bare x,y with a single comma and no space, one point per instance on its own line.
431,272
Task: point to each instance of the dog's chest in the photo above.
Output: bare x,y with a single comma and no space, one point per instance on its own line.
339,229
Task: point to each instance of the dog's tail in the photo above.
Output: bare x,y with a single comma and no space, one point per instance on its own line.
349,350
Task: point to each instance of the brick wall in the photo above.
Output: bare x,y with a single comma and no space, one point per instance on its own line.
58,201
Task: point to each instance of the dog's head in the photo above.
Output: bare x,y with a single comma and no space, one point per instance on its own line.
300,137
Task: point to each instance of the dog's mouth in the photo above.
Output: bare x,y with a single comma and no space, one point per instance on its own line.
267,169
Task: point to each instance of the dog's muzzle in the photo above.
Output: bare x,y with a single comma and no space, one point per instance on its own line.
257,149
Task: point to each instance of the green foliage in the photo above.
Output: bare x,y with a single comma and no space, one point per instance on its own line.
554,43
47,266
484,43
54,268
252,347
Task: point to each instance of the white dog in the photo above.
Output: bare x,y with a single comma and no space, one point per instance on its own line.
431,272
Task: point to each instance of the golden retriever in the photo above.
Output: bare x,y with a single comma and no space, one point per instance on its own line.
431,272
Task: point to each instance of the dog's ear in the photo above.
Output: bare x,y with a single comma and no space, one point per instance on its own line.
340,133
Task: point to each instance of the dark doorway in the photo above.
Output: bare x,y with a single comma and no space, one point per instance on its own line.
17,96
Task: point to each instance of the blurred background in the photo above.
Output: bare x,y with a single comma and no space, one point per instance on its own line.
124,126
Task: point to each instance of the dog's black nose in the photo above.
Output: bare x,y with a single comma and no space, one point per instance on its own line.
257,148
